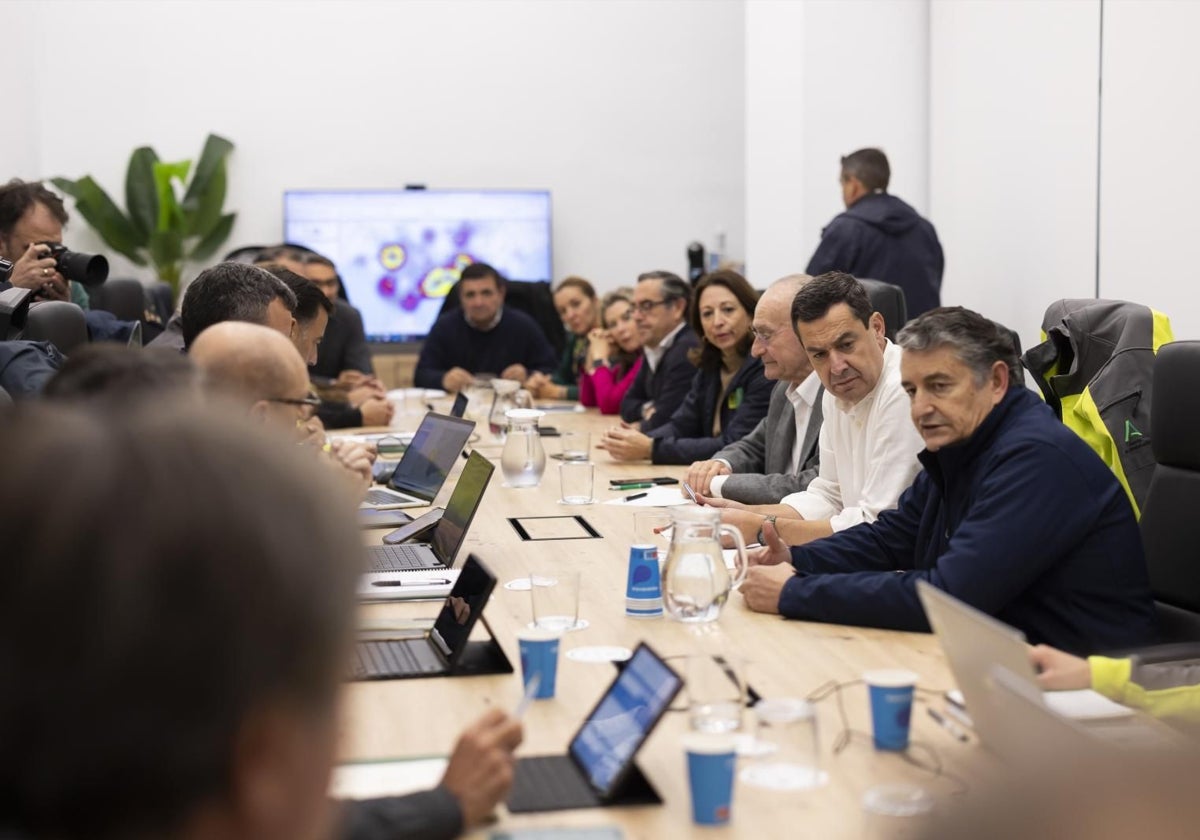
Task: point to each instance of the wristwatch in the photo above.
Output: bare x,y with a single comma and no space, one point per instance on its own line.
770,517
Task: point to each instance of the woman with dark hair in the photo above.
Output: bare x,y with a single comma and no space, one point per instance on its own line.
575,301
729,393
614,354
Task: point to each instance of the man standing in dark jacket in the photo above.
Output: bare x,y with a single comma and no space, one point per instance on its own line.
1013,514
881,237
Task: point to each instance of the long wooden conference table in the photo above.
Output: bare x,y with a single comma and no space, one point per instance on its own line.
421,718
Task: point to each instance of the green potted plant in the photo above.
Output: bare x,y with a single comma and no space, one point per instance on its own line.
158,227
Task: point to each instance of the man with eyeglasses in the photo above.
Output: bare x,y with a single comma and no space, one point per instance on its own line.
781,455
660,310
261,369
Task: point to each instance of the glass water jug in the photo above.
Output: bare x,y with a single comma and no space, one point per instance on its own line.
524,459
696,581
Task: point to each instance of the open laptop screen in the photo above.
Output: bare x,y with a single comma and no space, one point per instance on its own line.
431,455
462,609
460,510
605,745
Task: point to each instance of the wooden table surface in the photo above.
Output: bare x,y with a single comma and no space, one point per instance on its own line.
409,718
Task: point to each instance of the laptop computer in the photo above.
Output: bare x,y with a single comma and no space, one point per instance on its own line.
426,462
387,561
439,651
599,769
975,643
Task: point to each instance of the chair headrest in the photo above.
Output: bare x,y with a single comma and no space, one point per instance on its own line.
1175,405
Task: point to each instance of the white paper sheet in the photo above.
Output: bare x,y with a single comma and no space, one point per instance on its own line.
370,779
666,495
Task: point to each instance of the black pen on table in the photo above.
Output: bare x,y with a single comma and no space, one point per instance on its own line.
947,724
441,582
635,496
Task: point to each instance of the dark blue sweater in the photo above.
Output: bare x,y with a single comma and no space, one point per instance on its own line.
452,342
688,436
882,238
1022,521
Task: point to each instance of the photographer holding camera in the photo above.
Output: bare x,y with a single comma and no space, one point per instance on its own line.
31,227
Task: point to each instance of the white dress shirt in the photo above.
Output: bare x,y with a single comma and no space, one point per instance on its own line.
654,354
868,454
802,397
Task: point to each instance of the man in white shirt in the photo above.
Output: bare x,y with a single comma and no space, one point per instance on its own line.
868,443
781,455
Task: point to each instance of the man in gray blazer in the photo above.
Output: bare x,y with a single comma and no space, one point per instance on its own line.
781,455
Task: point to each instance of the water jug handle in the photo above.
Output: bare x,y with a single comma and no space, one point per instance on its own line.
740,564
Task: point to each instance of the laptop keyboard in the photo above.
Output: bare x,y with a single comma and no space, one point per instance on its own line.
400,558
550,782
398,658
387,497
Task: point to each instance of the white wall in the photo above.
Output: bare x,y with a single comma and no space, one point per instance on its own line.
18,146
824,78
1150,142
1013,154
630,113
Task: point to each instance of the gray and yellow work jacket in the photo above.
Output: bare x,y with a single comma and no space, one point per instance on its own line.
1095,368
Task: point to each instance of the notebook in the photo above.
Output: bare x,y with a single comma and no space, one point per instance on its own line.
599,768
438,651
426,462
389,565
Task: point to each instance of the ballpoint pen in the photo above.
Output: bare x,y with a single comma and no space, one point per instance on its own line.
947,724
440,581
618,486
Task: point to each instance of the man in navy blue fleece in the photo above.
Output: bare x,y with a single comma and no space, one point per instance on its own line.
1012,513
484,337
881,237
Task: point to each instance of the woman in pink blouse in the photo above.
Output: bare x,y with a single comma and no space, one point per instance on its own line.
614,354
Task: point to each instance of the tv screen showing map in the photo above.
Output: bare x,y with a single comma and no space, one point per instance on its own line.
400,252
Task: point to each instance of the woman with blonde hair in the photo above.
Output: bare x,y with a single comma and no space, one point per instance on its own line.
614,354
575,300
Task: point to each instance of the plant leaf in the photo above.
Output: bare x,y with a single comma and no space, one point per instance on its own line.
213,239
67,185
201,219
102,213
141,194
169,214
216,149
166,250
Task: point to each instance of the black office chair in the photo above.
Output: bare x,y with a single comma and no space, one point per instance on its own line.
1170,524
888,301
124,297
62,324
534,299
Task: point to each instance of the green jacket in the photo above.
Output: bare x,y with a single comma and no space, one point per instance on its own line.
1095,369
1168,690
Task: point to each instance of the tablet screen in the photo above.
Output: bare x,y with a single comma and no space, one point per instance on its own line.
608,740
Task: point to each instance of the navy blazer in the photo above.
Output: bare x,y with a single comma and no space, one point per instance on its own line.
688,436
666,387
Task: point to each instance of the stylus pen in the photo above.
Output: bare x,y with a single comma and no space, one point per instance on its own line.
408,582
531,688
947,724
636,496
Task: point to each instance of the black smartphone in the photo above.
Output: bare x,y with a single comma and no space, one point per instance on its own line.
416,528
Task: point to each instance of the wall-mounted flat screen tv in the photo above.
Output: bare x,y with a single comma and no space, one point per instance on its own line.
400,252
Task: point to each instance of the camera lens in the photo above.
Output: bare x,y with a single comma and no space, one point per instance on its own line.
88,269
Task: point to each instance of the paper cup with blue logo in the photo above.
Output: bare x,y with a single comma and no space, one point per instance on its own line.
539,655
710,763
891,693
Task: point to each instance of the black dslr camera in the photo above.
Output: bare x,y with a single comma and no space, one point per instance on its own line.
88,269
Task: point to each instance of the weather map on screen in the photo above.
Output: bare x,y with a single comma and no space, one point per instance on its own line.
399,253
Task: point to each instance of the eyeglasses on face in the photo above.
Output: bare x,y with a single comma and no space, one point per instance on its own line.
310,403
647,306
